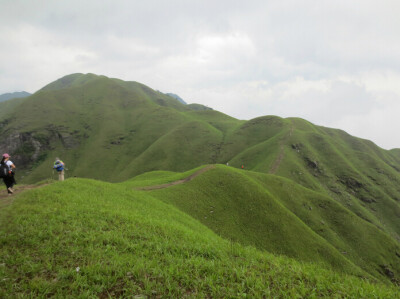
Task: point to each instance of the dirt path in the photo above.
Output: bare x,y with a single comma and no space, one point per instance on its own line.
6,199
278,160
185,180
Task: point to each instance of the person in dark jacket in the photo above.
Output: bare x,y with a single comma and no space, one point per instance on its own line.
9,180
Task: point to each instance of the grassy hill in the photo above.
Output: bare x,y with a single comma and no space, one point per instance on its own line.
108,129
270,212
338,192
92,238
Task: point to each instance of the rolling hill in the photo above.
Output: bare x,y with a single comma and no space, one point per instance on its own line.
106,129
338,192
96,239
270,212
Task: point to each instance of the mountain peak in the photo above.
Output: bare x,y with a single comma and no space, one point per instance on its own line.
72,80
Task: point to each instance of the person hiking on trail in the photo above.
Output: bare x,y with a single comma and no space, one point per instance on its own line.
59,166
9,180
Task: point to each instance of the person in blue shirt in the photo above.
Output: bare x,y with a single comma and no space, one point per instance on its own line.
59,166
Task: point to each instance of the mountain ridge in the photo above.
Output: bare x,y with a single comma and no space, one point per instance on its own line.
14,95
113,130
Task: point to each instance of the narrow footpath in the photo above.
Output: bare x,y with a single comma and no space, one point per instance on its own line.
185,180
6,199
281,155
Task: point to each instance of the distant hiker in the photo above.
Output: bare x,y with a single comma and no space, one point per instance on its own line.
242,166
7,173
59,166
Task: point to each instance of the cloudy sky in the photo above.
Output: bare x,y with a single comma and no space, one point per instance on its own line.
335,63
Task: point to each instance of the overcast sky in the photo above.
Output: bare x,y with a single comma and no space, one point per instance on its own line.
335,63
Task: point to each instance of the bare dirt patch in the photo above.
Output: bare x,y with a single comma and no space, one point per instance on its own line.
6,199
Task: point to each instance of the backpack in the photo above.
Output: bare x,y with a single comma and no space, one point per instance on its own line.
58,165
4,170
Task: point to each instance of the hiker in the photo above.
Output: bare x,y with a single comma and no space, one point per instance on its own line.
59,166
9,180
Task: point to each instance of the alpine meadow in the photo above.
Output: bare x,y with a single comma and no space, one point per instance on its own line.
164,199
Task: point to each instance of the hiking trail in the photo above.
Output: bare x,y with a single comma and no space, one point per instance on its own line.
178,182
278,160
6,199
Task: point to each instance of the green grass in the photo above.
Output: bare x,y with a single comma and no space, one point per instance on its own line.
7,107
158,178
113,130
127,244
270,212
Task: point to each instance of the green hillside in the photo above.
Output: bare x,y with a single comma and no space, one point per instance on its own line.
355,172
95,239
270,212
308,192
108,129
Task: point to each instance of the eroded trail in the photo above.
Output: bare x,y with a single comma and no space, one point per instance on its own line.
6,199
281,154
185,180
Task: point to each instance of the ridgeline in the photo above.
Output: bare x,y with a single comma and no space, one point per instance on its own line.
309,198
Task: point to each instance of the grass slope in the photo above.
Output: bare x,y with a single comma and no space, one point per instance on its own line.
355,172
270,212
112,130
85,238
7,107
128,126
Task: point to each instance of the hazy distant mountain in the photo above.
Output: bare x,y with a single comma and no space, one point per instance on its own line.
194,106
14,95
175,96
